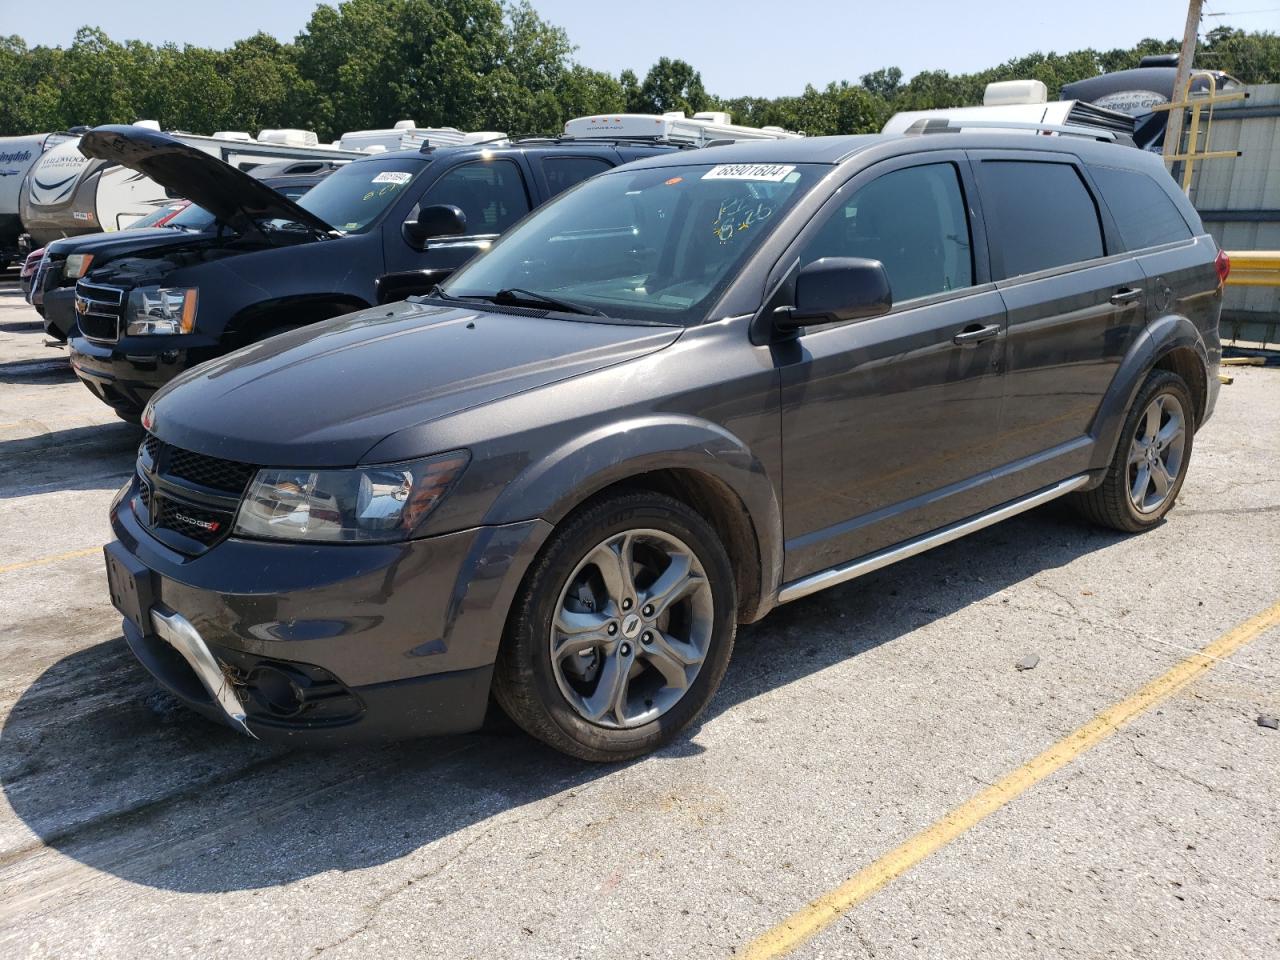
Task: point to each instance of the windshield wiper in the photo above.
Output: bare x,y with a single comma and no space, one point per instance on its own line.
518,296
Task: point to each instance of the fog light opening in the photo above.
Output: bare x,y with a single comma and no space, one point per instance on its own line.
275,692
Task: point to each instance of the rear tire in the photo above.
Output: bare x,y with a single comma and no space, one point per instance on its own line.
622,631
1146,473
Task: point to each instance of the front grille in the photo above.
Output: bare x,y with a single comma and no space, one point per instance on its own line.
225,475
100,311
189,500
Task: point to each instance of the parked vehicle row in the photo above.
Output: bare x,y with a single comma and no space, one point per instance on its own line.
49,189
555,479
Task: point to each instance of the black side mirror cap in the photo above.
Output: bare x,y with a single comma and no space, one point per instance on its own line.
437,220
837,289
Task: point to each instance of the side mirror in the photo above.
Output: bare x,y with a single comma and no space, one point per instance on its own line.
438,220
835,289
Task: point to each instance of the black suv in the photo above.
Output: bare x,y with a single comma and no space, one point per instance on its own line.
379,229
559,480
67,260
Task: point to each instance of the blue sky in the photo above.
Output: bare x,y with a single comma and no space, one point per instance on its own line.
740,46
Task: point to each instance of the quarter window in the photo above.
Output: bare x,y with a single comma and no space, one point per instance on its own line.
914,222
1145,214
564,172
490,193
1039,215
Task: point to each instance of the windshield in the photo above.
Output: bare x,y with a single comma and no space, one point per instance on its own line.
192,219
154,217
658,244
352,197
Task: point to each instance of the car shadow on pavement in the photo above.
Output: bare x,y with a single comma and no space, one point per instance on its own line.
39,371
112,774
93,457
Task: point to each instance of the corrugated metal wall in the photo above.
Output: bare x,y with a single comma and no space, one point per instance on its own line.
1239,200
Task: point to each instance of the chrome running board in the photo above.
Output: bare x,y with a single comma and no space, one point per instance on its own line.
177,631
872,562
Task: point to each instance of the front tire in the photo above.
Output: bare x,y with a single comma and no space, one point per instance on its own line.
622,631
1146,473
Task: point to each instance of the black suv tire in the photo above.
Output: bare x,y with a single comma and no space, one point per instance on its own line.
526,683
1111,503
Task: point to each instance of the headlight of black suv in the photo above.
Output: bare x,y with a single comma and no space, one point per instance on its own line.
369,504
161,310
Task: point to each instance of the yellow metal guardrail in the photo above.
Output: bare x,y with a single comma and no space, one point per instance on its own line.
1254,268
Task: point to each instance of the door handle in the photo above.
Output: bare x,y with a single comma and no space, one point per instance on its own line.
1126,295
975,334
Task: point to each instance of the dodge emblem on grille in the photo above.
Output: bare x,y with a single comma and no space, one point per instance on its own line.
210,525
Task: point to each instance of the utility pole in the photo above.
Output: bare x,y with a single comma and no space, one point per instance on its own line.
1173,133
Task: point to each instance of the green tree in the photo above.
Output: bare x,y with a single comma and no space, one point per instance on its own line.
670,85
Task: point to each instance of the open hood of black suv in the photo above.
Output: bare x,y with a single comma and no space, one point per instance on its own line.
231,195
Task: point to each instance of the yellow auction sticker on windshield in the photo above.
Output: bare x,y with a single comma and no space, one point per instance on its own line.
771,172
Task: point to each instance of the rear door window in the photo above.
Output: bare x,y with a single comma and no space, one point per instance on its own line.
1144,212
564,172
913,221
491,193
1039,215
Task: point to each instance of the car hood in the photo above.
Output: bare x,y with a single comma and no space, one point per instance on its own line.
231,195
325,395
105,245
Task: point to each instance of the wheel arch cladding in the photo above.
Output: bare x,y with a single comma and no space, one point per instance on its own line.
691,460
1171,342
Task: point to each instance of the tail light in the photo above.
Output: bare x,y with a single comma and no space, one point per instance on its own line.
1223,265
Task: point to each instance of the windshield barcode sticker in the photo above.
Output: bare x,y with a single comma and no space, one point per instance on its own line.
393,176
772,172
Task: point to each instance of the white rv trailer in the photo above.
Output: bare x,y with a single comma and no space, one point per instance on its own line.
1020,102
17,156
407,135
699,130
67,194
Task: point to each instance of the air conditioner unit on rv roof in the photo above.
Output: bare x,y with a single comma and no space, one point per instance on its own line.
698,130
1010,92
402,137
289,138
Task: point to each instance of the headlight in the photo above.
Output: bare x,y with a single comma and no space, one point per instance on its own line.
161,310
381,503
77,265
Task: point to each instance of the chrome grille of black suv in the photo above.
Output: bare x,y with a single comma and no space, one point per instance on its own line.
187,494
100,311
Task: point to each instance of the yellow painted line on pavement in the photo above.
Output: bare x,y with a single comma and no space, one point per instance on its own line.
830,907
27,564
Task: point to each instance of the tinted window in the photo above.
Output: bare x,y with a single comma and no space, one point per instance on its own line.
914,222
563,172
1145,214
1039,215
490,192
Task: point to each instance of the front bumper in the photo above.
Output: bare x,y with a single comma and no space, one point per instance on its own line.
325,645
124,380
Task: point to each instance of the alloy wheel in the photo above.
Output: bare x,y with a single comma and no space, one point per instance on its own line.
632,627
1156,453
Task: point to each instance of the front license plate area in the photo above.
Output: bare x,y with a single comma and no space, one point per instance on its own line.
130,582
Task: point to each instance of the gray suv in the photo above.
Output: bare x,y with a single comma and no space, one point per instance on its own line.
682,393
